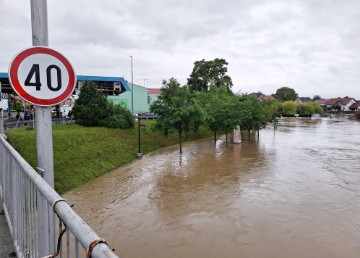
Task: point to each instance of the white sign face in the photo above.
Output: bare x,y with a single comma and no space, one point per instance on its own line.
42,76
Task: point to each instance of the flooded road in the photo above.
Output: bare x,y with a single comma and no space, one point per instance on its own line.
294,193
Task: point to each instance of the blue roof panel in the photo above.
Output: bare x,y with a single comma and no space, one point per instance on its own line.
4,75
104,79
92,78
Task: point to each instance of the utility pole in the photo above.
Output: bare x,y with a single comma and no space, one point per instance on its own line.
46,222
145,80
132,87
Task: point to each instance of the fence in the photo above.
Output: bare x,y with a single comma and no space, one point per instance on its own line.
31,123
33,208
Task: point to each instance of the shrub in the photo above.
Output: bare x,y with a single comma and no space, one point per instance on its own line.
117,111
91,107
116,121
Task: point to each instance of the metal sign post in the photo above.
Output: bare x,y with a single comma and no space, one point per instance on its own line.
44,77
1,121
1,115
46,228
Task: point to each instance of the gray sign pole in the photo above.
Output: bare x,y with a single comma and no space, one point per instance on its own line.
1,121
1,114
46,222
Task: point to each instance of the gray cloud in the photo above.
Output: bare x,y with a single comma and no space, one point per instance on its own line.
310,45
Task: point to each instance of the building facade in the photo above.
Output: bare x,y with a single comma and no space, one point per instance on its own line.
137,99
138,94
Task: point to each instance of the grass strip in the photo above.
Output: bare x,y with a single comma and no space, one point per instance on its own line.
84,153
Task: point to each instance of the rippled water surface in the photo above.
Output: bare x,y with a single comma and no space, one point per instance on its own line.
294,193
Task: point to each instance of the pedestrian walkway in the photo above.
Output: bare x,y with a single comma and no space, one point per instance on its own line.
6,246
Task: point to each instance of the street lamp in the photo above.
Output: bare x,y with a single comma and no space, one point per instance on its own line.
139,154
132,87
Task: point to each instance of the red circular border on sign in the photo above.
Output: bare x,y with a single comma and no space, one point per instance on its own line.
18,87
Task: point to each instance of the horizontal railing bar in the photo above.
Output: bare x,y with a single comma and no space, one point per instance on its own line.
81,230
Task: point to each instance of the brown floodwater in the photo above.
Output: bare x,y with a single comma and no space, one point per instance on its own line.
293,193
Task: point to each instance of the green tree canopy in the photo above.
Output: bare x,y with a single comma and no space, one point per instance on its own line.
252,113
289,108
219,105
306,109
177,110
309,108
91,108
272,109
207,73
316,97
285,94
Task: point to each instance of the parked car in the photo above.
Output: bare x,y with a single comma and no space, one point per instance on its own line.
146,115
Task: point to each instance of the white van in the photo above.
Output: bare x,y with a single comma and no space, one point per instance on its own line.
65,110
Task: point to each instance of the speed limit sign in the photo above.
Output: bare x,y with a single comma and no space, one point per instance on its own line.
42,76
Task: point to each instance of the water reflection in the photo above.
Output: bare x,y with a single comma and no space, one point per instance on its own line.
209,175
292,193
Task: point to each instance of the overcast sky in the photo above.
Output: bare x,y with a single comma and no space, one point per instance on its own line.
312,46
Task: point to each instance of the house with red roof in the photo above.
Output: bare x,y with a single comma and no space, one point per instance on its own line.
321,102
355,106
344,103
153,94
261,96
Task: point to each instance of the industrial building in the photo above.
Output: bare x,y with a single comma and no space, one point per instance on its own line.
136,98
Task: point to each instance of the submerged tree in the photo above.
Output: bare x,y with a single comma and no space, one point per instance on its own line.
309,108
289,108
253,114
176,110
220,110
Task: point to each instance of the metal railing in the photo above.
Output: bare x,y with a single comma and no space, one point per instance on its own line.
31,123
26,197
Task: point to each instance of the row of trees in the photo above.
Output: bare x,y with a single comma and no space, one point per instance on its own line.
290,108
182,109
207,100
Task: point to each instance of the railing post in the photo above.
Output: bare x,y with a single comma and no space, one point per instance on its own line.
1,119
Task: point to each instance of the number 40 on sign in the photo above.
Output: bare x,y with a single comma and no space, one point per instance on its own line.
42,76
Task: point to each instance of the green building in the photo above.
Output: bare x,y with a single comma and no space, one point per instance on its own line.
140,96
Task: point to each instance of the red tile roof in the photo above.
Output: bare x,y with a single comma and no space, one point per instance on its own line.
342,101
267,97
321,101
355,105
154,91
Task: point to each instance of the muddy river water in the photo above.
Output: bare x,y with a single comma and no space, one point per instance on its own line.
293,193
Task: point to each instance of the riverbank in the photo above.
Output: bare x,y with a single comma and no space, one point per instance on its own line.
84,153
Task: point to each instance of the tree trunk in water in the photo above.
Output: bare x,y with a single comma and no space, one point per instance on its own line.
249,134
258,133
215,138
180,140
226,133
